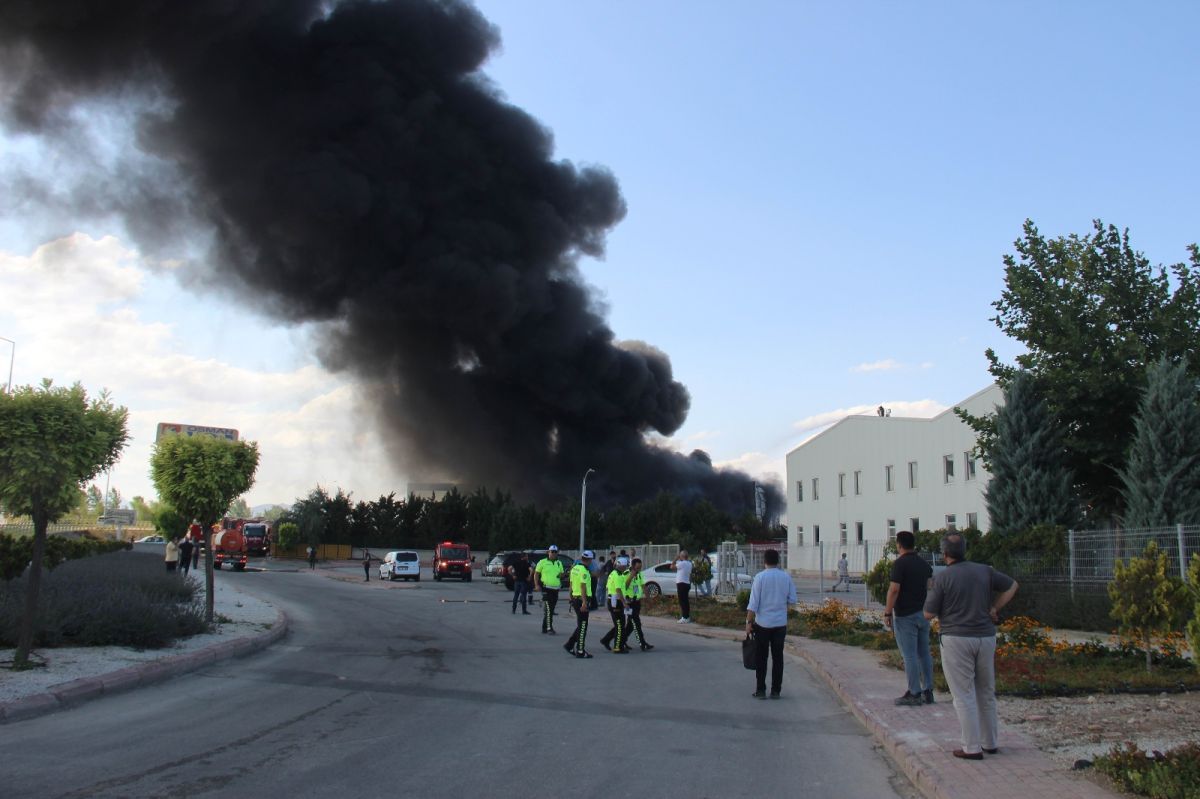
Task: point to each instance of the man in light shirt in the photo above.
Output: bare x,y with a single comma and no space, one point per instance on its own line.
683,585
766,618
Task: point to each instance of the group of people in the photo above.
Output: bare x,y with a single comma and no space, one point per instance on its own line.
182,554
966,599
623,590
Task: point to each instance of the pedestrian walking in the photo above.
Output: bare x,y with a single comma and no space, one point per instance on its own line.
771,593
606,567
185,554
581,592
198,540
966,599
593,577
366,565
171,555
520,571
547,578
683,585
843,574
910,580
635,589
614,640
312,557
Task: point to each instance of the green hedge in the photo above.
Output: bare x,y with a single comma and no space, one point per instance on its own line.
116,599
17,551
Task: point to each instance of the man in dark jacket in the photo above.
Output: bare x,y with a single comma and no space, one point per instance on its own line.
185,554
520,570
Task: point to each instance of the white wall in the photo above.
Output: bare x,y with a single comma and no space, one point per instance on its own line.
867,444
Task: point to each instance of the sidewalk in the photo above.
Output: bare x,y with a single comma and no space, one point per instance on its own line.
78,674
920,739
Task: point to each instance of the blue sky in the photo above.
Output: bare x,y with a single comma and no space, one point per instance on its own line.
813,190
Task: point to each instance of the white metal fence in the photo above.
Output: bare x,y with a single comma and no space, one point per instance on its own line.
1092,555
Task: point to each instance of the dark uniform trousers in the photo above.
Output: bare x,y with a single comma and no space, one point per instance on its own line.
579,636
617,634
549,600
635,622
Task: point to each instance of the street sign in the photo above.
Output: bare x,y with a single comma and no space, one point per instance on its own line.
173,429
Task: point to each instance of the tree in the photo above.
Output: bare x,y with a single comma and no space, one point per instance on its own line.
1144,597
1031,482
51,441
239,509
200,477
95,500
1161,477
289,536
1092,314
1193,626
169,522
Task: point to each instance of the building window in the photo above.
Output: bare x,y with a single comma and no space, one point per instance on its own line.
948,468
951,522
799,535
889,482
858,531
816,535
799,490
891,525
914,524
842,484
816,489
842,534
972,521
857,483
912,474
968,466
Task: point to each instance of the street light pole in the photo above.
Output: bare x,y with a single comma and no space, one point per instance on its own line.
583,507
11,359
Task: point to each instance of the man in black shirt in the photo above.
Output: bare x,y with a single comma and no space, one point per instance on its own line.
521,583
911,577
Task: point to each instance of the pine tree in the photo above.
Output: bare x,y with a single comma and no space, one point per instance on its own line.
1031,483
1144,597
1161,477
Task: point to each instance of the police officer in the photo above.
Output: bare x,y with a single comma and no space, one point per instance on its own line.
581,592
616,608
547,578
635,589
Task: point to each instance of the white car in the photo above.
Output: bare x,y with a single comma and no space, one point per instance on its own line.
150,539
403,564
660,578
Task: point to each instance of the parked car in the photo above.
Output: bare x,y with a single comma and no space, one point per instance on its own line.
150,539
495,566
403,564
661,577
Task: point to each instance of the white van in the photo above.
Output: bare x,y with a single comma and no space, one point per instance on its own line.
403,564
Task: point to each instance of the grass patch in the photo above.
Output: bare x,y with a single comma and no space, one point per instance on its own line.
117,599
1174,774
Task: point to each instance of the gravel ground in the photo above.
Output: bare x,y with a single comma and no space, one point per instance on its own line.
1068,729
248,615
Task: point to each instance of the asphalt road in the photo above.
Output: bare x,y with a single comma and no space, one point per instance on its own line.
437,690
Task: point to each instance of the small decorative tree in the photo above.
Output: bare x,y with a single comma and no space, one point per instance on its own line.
1144,597
289,536
1193,627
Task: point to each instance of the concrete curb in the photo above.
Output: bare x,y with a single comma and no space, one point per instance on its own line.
69,694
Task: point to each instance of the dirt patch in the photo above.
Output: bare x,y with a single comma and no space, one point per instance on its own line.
1071,728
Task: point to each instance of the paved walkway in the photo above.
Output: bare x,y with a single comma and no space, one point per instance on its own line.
920,739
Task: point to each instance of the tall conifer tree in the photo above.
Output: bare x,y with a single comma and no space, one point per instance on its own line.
1031,483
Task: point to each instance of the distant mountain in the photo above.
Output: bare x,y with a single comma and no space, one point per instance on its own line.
260,510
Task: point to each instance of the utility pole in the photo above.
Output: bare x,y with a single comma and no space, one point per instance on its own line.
583,508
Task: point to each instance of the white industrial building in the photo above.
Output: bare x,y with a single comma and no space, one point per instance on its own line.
852,486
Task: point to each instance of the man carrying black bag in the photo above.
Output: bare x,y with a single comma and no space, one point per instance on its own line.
766,618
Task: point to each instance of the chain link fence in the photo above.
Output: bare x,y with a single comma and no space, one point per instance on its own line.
1091,556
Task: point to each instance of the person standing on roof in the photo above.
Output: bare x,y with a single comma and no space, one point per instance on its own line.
635,589
581,592
547,578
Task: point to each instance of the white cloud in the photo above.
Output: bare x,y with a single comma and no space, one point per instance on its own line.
887,365
764,466
73,307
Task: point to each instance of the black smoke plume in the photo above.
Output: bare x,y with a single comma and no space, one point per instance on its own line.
355,167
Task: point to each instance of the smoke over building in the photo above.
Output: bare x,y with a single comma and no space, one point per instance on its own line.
354,167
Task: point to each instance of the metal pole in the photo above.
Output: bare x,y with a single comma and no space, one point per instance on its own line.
583,508
821,566
1071,560
1182,553
11,359
866,570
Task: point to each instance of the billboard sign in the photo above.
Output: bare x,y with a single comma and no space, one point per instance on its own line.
172,429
